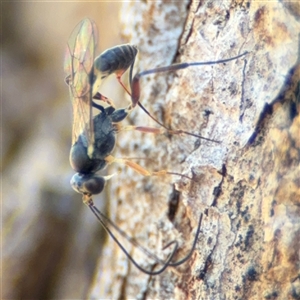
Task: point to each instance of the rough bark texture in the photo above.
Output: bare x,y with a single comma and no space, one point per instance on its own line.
247,187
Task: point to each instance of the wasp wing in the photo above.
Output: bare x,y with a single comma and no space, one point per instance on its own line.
78,65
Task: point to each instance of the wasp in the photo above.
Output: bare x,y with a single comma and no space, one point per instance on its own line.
94,137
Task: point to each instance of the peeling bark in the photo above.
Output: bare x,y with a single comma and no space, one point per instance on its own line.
247,186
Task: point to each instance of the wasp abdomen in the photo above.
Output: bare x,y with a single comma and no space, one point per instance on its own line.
115,60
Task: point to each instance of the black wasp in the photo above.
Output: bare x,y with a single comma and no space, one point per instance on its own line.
94,137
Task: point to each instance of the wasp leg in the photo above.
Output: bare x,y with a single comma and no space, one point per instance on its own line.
122,84
135,82
163,130
144,129
136,167
101,97
135,86
139,169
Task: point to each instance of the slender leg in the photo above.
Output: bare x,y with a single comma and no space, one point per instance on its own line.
135,92
144,129
135,87
135,82
101,97
157,130
140,170
110,159
122,84
163,130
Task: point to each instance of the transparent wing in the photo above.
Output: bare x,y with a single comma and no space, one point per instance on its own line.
78,65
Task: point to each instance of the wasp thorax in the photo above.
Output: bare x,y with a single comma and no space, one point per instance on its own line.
87,183
81,162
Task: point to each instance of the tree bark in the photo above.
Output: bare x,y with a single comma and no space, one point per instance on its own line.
246,187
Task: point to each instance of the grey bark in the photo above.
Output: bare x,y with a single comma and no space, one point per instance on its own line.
246,187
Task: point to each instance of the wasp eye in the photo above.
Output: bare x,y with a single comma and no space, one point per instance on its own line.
94,185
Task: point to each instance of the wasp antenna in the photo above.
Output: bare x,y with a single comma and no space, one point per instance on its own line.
165,264
183,260
124,234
